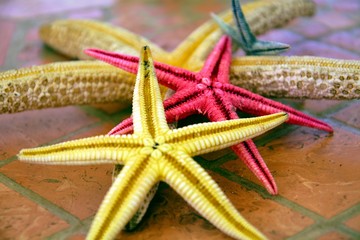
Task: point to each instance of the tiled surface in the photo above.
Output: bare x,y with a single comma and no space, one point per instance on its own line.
317,174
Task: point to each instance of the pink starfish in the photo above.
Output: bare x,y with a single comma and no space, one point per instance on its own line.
210,93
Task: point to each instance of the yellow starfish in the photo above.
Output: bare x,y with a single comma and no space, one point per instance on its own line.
156,153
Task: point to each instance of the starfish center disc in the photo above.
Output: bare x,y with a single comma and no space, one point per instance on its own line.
155,146
210,86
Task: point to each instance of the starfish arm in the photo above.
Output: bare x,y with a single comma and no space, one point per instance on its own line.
167,75
258,105
261,48
179,106
298,77
229,30
189,54
250,155
196,186
253,46
257,47
94,34
87,151
124,197
125,127
207,137
148,110
218,62
221,109
138,216
261,18
247,37
61,84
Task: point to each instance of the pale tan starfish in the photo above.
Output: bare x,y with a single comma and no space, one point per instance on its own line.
262,15
84,82
156,153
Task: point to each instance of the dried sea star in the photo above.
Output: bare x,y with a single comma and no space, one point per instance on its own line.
156,153
209,92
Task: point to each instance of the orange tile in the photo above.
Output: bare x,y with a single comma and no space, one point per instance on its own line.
312,169
24,219
285,222
32,128
77,189
170,217
350,115
354,223
334,236
174,20
76,237
318,171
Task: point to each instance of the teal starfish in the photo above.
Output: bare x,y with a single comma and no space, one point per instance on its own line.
244,38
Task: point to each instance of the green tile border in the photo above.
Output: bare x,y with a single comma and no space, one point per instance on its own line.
80,228
38,199
336,223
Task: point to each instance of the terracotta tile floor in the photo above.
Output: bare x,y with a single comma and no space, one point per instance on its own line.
317,174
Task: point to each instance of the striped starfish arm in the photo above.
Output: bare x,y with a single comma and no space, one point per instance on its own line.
196,186
213,136
91,33
167,74
87,151
244,38
250,155
261,15
174,108
298,77
124,197
138,216
258,105
61,84
148,110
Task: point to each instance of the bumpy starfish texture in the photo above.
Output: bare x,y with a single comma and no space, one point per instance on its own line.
298,77
85,82
209,92
156,153
262,16
54,84
291,77
61,84
243,36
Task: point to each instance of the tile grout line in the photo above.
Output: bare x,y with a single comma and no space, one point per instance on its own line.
82,227
349,231
335,223
344,126
38,199
56,140
7,161
264,194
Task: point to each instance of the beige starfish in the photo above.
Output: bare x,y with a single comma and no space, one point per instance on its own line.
156,153
84,82
262,15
